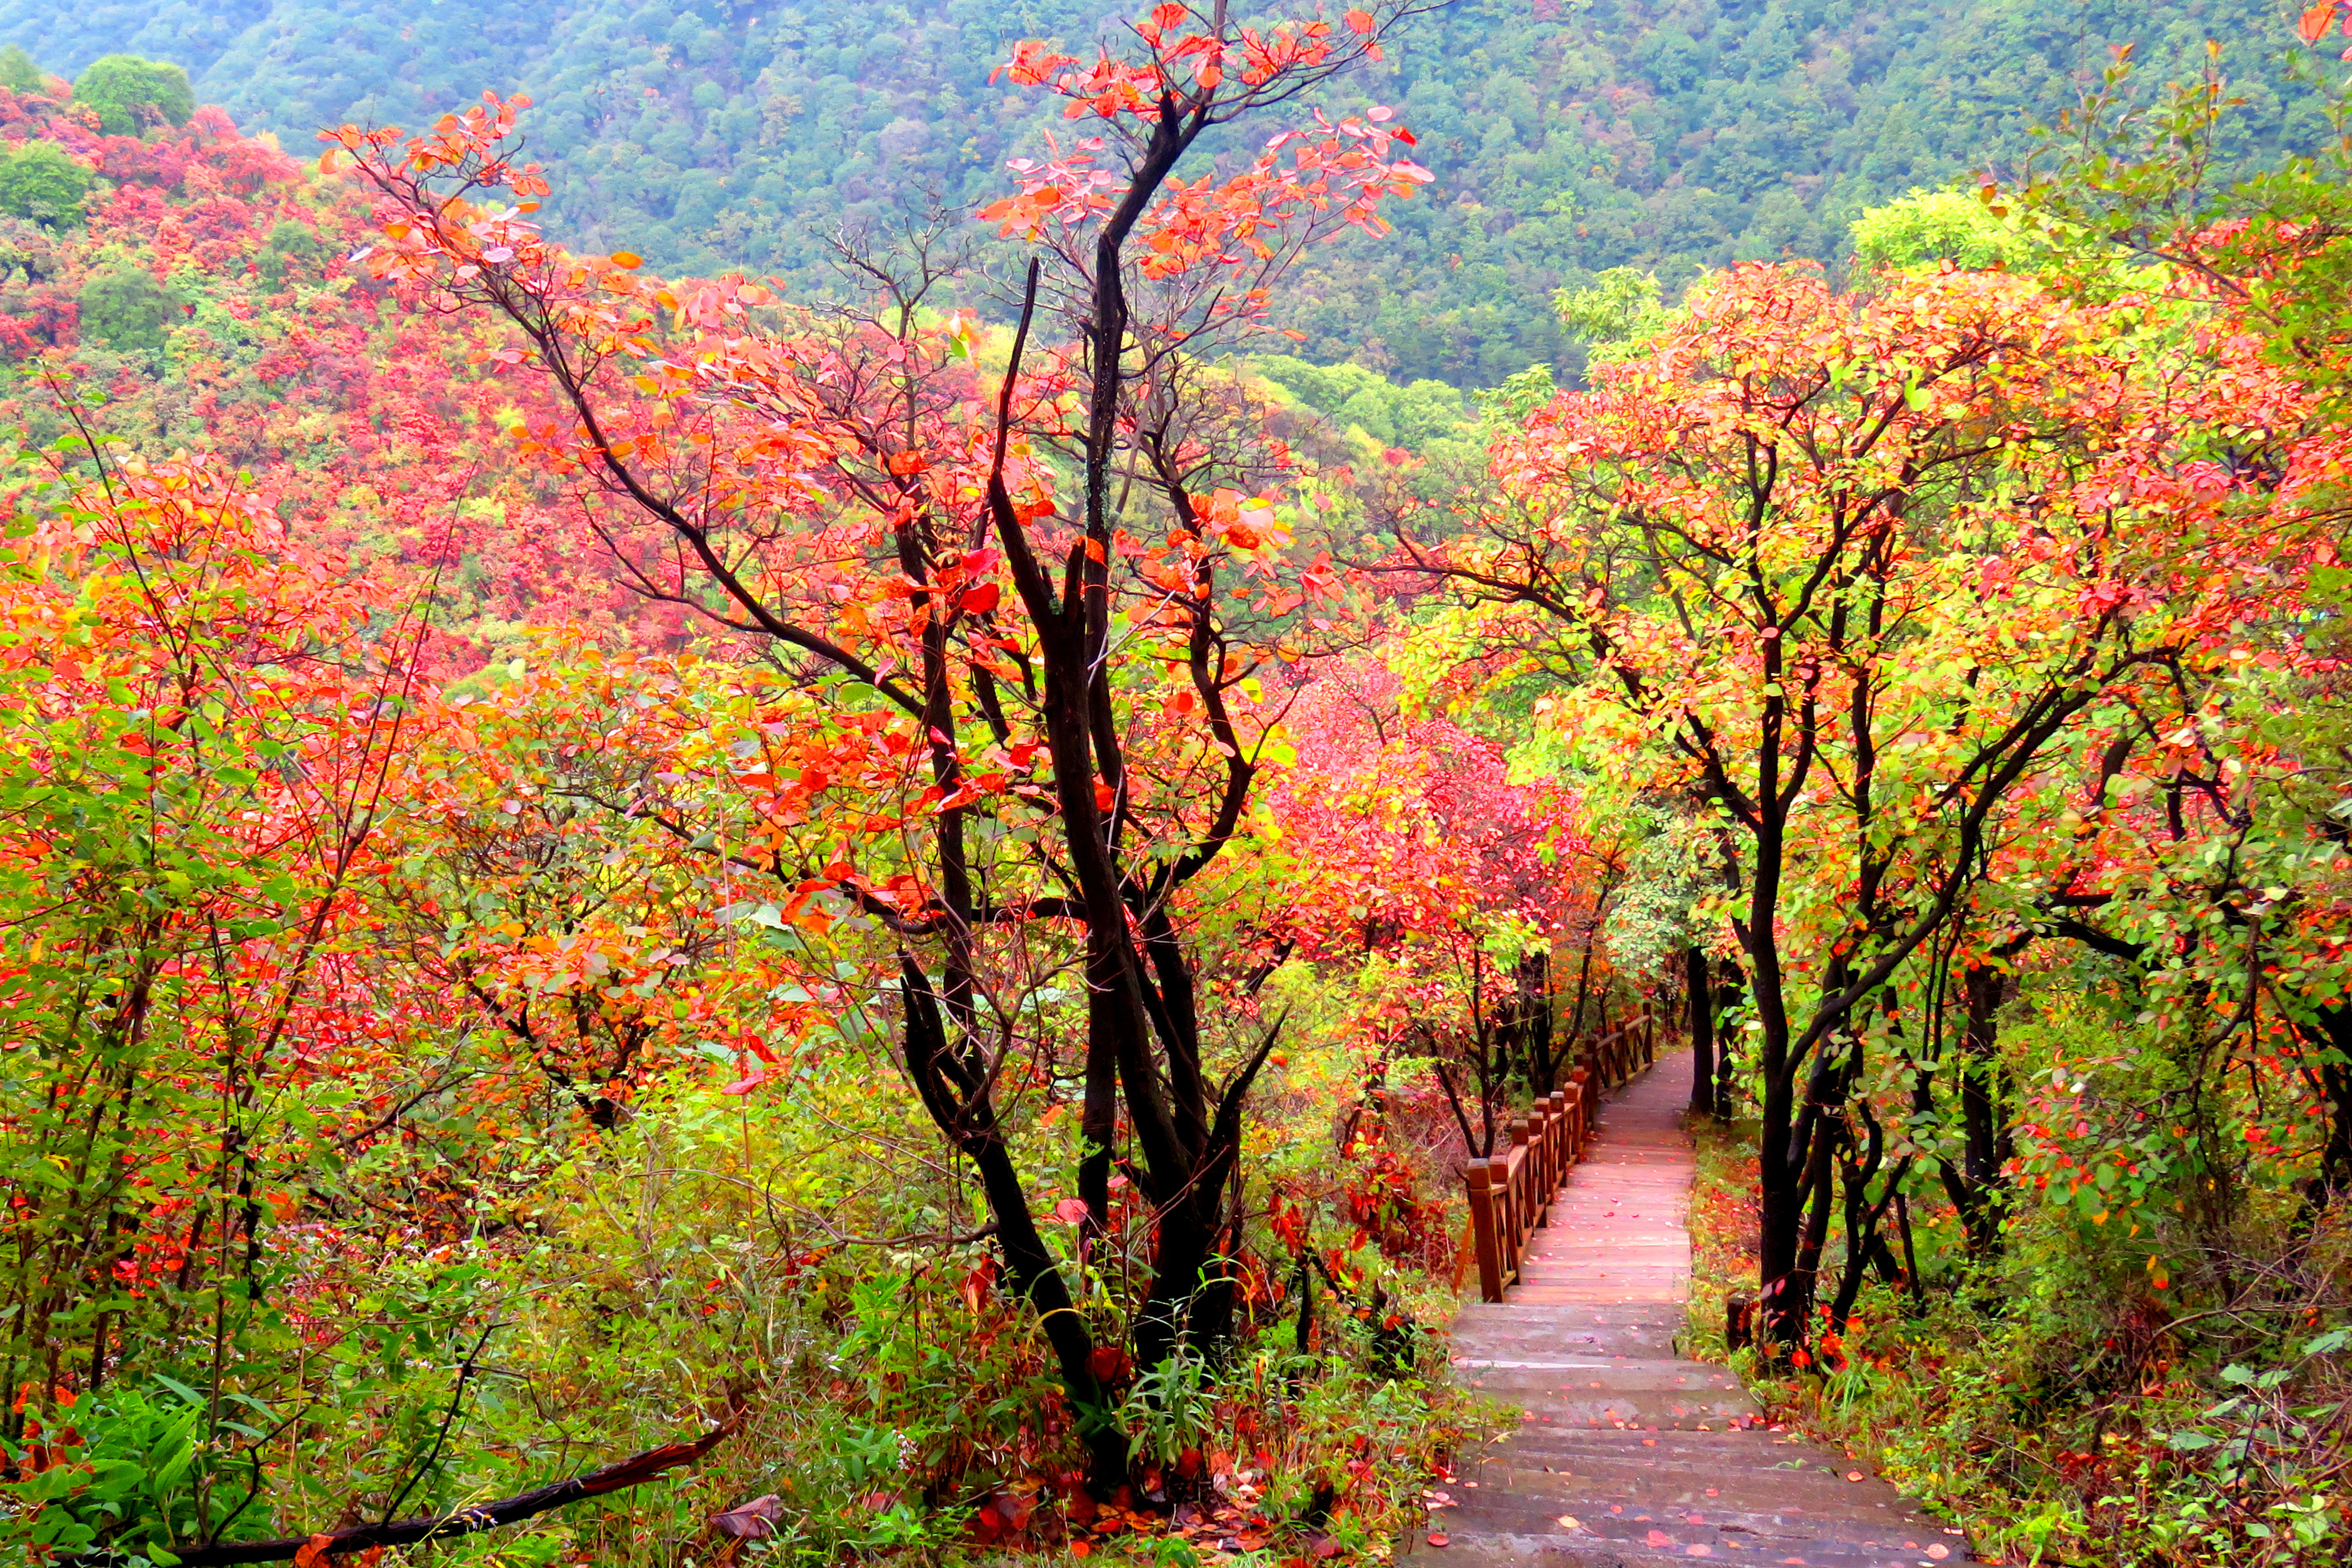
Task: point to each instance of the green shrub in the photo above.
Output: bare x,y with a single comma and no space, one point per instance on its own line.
132,94
41,181
18,74
124,308
1348,394
1929,227
289,242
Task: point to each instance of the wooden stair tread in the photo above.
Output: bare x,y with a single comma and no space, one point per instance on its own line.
1653,1458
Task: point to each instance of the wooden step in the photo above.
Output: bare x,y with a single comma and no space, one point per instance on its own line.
1615,1452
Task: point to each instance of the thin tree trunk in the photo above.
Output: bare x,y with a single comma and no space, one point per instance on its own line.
1701,1002
1729,987
1979,1193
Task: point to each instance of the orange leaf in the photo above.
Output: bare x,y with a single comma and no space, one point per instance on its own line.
628,260
1359,21
312,1553
2312,24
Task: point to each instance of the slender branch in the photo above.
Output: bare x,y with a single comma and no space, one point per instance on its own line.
470,1520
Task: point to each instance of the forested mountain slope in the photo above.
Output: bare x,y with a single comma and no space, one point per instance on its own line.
1567,135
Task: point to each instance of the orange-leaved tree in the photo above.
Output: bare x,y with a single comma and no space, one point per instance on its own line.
202,728
1846,572
1403,839
1034,713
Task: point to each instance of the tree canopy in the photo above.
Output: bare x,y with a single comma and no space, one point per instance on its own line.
652,913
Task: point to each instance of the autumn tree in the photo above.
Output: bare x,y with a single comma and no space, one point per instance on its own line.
1053,697
1844,572
1404,844
200,737
2209,871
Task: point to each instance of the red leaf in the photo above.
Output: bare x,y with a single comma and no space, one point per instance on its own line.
977,1284
753,1520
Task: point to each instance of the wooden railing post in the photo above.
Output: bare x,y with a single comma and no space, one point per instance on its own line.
1545,1157
1563,1148
1524,1197
1510,1194
1485,1236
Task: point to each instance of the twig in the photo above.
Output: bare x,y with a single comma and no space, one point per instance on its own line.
448,1417
473,1521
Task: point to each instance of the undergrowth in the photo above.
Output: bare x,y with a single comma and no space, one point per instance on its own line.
2064,1411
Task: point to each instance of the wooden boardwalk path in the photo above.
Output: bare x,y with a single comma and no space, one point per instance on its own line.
1625,1454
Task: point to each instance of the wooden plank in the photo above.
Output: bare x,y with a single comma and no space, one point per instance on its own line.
1624,1453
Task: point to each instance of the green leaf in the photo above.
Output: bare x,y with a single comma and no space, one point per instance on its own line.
195,1401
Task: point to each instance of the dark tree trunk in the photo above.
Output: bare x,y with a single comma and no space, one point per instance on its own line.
1978,1188
1536,1023
1729,989
1699,992
2332,1034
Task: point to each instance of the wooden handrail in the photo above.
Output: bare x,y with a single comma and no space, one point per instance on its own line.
1510,1194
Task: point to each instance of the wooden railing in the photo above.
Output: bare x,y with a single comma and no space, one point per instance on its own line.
1510,1194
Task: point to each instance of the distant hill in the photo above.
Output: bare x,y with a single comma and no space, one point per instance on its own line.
1567,135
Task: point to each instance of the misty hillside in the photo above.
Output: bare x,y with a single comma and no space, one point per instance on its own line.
1567,135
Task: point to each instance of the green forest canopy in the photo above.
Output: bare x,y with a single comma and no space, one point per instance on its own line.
1567,136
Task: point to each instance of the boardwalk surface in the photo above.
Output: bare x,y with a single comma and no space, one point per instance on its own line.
1626,1455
